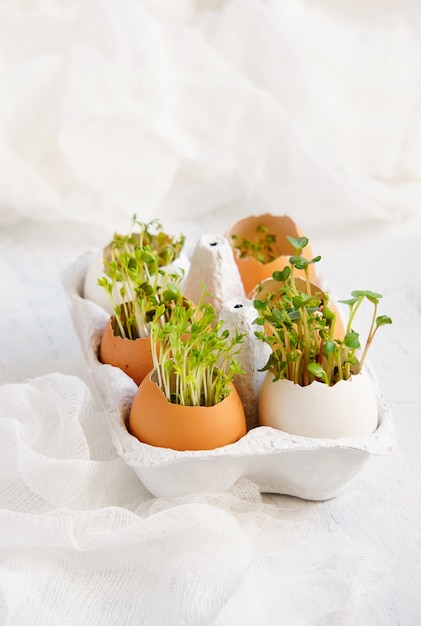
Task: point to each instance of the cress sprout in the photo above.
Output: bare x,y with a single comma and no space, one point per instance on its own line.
260,248
299,327
194,357
136,275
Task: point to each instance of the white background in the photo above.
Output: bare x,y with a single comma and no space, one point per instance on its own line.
199,113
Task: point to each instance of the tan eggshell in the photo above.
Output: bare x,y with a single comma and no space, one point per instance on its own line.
133,356
253,271
156,421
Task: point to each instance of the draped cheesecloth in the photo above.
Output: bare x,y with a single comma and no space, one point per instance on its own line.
83,542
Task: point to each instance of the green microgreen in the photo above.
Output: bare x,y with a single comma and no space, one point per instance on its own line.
299,327
261,248
193,355
136,276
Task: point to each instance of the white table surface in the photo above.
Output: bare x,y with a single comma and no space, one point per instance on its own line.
380,510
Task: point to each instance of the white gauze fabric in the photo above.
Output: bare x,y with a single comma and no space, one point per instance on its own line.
83,542
178,107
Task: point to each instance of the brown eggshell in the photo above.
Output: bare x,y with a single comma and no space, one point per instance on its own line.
133,356
156,421
253,271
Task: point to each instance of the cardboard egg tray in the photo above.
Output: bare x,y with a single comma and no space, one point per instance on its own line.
309,468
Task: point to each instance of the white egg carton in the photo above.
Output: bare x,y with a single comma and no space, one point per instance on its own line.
308,468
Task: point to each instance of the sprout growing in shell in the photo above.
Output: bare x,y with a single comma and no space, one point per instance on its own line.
193,355
136,276
299,327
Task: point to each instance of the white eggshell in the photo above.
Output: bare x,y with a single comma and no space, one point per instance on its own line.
346,409
91,290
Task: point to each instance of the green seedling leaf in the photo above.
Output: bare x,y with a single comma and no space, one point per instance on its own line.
299,244
328,314
131,263
148,257
329,347
311,309
371,295
350,302
294,315
160,310
112,266
282,275
103,282
260,304
299,262
300,301
351,340
382,320
277,317
235,367
317,371
172,292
